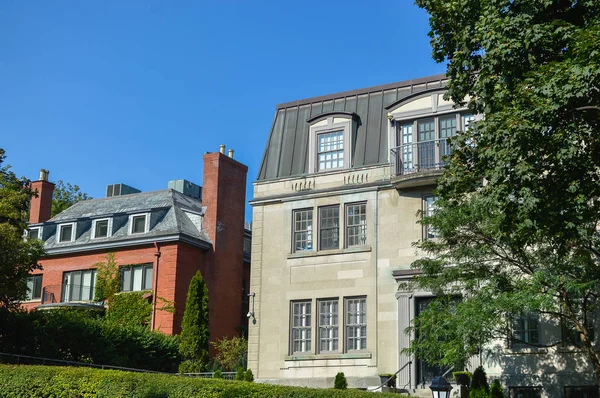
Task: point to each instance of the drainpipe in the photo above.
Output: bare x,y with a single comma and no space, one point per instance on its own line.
155,284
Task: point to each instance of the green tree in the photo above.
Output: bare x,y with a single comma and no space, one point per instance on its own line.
231,352
107,278
518,204
66,195
340,382
18,256
194,328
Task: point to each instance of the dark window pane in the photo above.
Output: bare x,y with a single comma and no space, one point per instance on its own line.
329,222
139,224
34,233
148,277
101,229
65,233
126,279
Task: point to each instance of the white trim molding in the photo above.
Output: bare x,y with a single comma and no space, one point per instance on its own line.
146,223
108,228
329,124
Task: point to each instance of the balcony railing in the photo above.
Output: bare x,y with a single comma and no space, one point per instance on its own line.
419,157
68,293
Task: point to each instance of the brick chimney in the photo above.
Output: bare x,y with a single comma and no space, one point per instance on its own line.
41,206
224,196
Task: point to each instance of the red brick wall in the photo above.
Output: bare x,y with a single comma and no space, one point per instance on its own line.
41,207
224,195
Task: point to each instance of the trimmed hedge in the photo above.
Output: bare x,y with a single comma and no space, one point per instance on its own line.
52,381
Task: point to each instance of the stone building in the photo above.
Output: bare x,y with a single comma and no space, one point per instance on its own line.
335,210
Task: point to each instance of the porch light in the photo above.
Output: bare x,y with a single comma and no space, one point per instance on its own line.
440,388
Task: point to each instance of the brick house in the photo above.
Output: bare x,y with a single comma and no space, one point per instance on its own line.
160,239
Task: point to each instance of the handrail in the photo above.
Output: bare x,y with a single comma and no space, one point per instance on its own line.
391,377
448,371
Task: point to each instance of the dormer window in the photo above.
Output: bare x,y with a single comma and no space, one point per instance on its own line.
138,224
34,233
329,141
66,232
101,228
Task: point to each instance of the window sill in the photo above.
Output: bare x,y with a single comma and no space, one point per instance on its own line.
313,357
31,301
525,350
311,253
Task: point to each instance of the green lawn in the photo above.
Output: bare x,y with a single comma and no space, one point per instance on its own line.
53,381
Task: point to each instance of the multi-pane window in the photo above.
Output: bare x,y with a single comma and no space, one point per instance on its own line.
526,329
329,227
79,285
101,228
447,130
138,224
34,287
406,139
426,145
136,277
328,325
356,224
581,392
301,327
525,392
467,120
356,324
330,150
428,210
65,233
303,230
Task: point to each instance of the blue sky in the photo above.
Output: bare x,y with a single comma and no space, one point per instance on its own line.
101,92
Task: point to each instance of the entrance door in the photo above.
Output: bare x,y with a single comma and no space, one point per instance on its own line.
426,372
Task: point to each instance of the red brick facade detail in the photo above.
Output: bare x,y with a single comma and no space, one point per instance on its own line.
41,207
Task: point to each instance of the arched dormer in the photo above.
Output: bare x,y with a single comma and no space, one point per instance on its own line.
330,141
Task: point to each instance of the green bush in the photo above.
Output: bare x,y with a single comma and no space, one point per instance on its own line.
48,381
218,374
130,308
496,390
478,393
85,336
340,382
479,380
457,375
194,327
239,375
249,376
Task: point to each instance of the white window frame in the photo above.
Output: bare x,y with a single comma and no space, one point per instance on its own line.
109,228
59,232
426,213
39,229
146,223
309,232
144,267
347,325
529,324
331,326
306,328
29,296
329,124
348,226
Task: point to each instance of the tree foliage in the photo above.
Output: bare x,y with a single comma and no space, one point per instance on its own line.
18,256
231,352
518,205
194,328
107,279
66,195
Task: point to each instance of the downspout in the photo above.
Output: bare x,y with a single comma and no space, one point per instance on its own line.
376,239
155,284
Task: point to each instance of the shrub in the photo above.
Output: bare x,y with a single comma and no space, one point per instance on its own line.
47,381
479,380
130,308
496,390
218,374
239,375
194,327
249,376
340,382
462,375
478,393
231,352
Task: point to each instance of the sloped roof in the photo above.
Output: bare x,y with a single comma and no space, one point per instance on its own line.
172,214
286,153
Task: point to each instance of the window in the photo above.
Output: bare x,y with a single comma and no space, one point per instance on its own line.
428,210
356,324
66,232
136,277
303,239
328,326
572,336
301,327
467,120
79,285
247,245
331,150
526,329
525,392
138,224
101,228
34,233
406,139
329,227
34,287
581,392
447,130
356,224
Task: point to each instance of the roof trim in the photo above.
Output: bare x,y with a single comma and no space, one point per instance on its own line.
413,96
362,91
332,113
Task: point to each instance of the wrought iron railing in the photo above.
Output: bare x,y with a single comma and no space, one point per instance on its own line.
418,157
68,293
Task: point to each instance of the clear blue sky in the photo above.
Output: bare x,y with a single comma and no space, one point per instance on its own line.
100,92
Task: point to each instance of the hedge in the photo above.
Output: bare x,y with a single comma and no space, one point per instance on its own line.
53,381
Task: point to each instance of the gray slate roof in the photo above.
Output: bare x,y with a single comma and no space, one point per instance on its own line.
286,153
171,214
